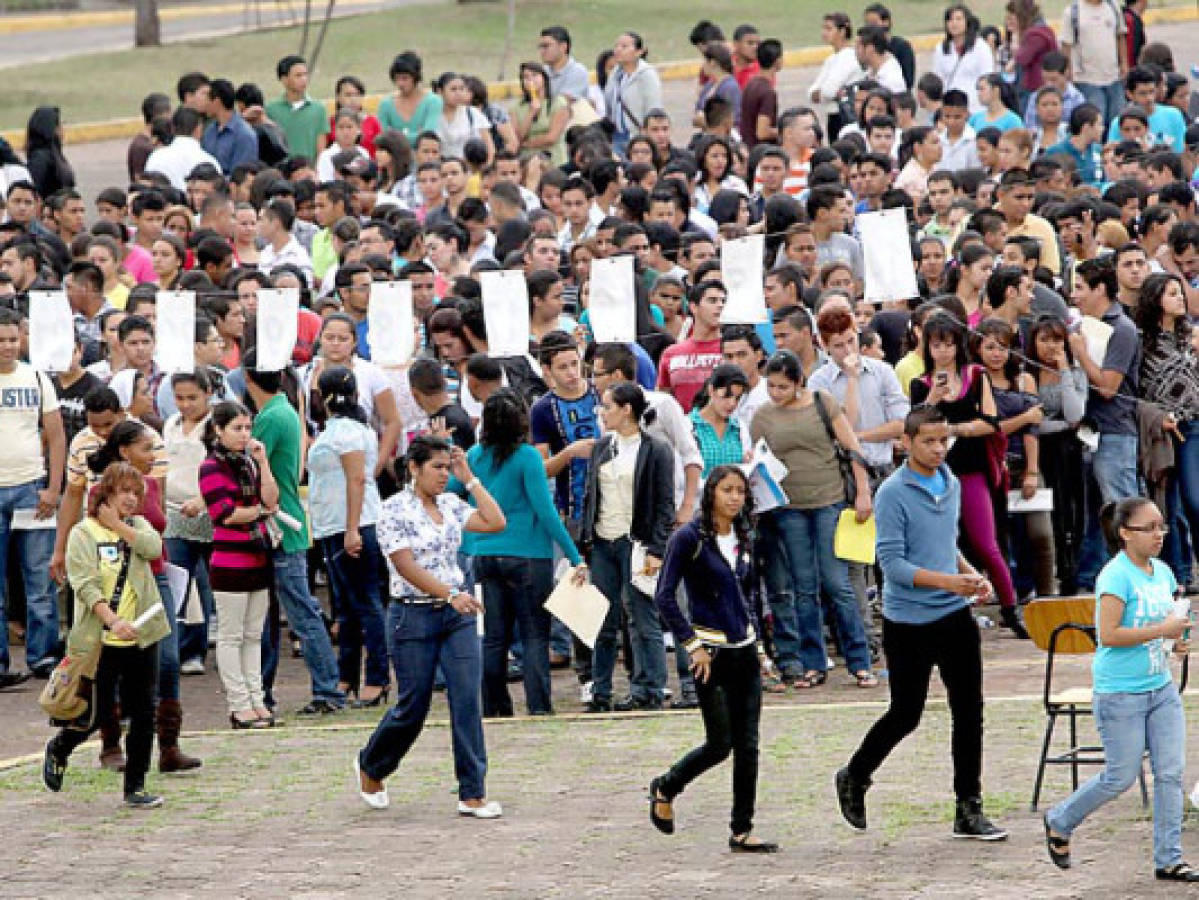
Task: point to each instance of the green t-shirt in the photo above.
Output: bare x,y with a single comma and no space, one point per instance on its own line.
303,125
278,427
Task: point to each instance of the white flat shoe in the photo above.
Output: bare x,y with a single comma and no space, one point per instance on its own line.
489,810
378,800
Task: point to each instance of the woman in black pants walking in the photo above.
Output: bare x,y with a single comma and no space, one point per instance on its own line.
713,555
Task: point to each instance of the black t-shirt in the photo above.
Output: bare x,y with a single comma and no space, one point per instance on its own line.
458,424
70,402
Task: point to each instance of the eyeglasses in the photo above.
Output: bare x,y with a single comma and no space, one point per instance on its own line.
1159,527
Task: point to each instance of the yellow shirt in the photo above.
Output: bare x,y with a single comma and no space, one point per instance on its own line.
1035,226
911,366
108,545
118,296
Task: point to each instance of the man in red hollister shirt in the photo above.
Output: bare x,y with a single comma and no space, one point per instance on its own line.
685,366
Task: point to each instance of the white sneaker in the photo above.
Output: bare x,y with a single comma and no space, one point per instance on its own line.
191,667
668,640
585,694
489,810
377,800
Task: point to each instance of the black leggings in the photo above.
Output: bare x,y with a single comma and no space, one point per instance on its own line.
731,704
952,645
132,671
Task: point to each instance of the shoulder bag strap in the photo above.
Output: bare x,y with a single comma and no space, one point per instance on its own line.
122,576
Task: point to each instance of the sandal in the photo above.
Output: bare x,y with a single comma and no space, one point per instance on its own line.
773,684
743,844
810,679
656,799
866,679
1058,847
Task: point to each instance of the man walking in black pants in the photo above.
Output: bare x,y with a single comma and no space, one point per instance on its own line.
927,592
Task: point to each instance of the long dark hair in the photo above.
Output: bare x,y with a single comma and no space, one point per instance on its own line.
222,414
339,394
1148,313
505,424
422,449
1057,327
548,99
1115,515
124,434
743,524
997,330
972,26
943,325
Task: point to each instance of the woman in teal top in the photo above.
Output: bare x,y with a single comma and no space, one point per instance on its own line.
998,99
515,566
412,109
1137,707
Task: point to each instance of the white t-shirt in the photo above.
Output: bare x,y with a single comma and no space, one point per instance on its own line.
25,396
1094,54
371,383
728,547
467,123
324,163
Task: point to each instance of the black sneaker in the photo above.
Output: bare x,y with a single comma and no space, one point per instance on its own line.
1177,872
851,795
687,701
53,769
972,824
142,800
598,706
12,679
1009,617
319,708
637,704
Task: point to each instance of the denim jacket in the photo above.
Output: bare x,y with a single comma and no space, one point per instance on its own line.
725,604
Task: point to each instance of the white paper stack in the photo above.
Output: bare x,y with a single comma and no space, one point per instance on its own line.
741,272
278,314
175,332
613,300
506,312
392,338
51,331
887,255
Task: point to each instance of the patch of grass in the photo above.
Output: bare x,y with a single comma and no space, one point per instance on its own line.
449,36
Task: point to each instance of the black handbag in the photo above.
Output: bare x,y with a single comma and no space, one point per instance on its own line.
845,458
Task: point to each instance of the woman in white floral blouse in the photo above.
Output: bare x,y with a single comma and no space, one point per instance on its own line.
431,618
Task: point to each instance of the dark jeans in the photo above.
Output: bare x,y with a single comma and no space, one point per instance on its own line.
610,572
306,618
132,672
355,581
168,647
419,637
1061,454
193,556
731,704
515,589
952,645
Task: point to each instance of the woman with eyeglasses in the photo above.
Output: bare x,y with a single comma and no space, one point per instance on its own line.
1137,707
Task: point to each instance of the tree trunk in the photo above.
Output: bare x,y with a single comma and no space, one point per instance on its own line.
146,29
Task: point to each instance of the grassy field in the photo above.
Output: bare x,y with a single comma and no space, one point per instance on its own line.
470,37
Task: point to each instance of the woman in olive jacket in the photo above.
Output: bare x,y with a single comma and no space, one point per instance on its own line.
108,566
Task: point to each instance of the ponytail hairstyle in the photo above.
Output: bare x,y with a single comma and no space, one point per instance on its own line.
628,393
743,524
125,433
222,414
1115,515
339,394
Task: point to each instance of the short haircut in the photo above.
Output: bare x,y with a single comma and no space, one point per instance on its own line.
426,377
286,64
921,415
132,324
617,358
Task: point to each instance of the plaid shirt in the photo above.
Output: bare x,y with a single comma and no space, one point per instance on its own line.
718,451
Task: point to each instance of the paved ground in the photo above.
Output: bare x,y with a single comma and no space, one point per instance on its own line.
102,164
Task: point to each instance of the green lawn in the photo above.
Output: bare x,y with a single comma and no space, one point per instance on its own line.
471,37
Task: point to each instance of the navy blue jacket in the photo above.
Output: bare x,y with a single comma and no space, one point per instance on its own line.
725,605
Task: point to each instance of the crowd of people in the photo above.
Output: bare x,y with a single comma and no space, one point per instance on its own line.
1048,182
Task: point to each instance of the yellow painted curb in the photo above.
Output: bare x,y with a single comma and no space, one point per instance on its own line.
679,70
67,20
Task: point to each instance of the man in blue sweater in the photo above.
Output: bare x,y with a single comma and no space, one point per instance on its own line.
928,587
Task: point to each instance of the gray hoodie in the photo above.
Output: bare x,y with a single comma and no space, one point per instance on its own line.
630,97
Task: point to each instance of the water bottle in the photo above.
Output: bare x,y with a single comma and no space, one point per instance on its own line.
984,622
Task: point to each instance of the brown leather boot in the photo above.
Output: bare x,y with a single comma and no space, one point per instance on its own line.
170,720
111,756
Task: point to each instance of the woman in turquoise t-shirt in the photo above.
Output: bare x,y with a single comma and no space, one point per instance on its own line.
998,100
1137,706
412,109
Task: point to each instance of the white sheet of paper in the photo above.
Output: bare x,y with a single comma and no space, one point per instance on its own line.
1097,333
505,312
27,520
392,338
766,473
1041,501
581,609
147,615
741,272
175,332
613,300
887,255
178,580
278,314
51,331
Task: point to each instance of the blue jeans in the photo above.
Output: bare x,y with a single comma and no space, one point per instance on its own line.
771,551
515,589
808,537
1113,477
1184,503
305,619
611,573
1108,97
356,583
168,647
41,597
193,556
419,638
1130,724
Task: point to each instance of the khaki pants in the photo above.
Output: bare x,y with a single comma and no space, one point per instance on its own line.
240,617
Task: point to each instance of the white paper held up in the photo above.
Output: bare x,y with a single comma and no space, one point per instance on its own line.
741,272
613,300
887,255
179,580
175,331
392,339
581,609
278,313
1096,333
51,331
505,312
1040,501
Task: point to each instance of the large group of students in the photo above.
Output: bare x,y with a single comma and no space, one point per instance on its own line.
1044,373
